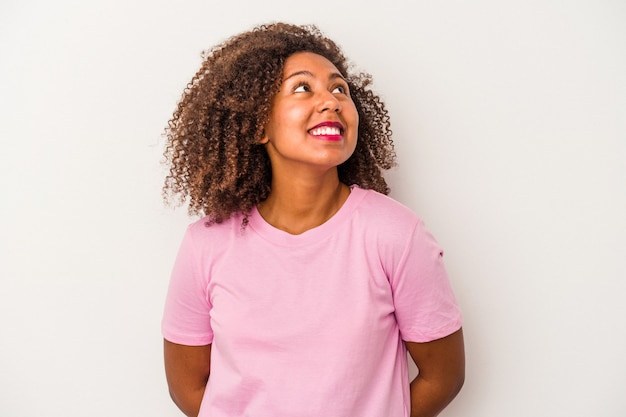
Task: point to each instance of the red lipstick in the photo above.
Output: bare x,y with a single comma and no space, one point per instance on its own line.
332,131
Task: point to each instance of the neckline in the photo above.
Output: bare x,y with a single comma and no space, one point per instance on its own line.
326,229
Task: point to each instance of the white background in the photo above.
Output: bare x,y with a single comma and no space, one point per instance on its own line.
510,126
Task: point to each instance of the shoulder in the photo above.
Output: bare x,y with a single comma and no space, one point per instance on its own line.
204,224
384,223
385,211
205,234
392,230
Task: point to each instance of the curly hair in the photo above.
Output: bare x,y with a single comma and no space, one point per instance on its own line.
215,160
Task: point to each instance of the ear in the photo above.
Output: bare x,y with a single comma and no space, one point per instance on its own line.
264,139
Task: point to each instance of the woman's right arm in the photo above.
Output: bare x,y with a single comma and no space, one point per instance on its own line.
187,371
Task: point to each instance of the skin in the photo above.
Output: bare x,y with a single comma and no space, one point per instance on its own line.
187,370
305,193
305,185
441,365
312,92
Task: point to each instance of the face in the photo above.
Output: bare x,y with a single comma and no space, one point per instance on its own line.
313,122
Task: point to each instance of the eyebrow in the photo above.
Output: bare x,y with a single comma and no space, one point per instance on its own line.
306,73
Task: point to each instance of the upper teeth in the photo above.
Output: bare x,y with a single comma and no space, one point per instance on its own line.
326,130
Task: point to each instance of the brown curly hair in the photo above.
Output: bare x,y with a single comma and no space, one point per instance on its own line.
216,162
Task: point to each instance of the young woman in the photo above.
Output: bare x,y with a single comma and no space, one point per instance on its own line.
303,287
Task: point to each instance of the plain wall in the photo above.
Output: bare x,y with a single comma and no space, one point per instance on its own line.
510,126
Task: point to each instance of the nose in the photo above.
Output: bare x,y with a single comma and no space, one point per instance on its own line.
328,102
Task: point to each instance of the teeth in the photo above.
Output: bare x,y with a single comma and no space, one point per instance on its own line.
325,131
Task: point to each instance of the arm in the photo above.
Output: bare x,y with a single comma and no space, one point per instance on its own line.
187,371
441,365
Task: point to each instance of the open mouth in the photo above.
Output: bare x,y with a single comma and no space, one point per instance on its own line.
326,131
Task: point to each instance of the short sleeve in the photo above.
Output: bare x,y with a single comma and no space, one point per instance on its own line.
425,305
186,318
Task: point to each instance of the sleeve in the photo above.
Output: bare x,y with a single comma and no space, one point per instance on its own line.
186,318
425,306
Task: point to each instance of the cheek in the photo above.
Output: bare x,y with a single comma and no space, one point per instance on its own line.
351,114
353,119
295,115
287,117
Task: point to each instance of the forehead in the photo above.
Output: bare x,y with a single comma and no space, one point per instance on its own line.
309,62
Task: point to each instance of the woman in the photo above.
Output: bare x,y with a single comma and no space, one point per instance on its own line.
303,287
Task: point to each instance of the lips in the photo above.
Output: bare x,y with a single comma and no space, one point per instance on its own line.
327,129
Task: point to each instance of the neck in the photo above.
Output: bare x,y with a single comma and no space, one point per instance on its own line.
296,205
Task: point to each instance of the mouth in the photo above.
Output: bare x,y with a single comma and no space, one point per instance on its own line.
329,130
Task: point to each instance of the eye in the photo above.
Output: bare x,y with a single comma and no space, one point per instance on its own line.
340,89
302,88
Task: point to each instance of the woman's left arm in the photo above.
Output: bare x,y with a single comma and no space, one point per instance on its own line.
441,365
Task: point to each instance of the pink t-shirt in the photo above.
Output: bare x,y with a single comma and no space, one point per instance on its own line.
311,324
